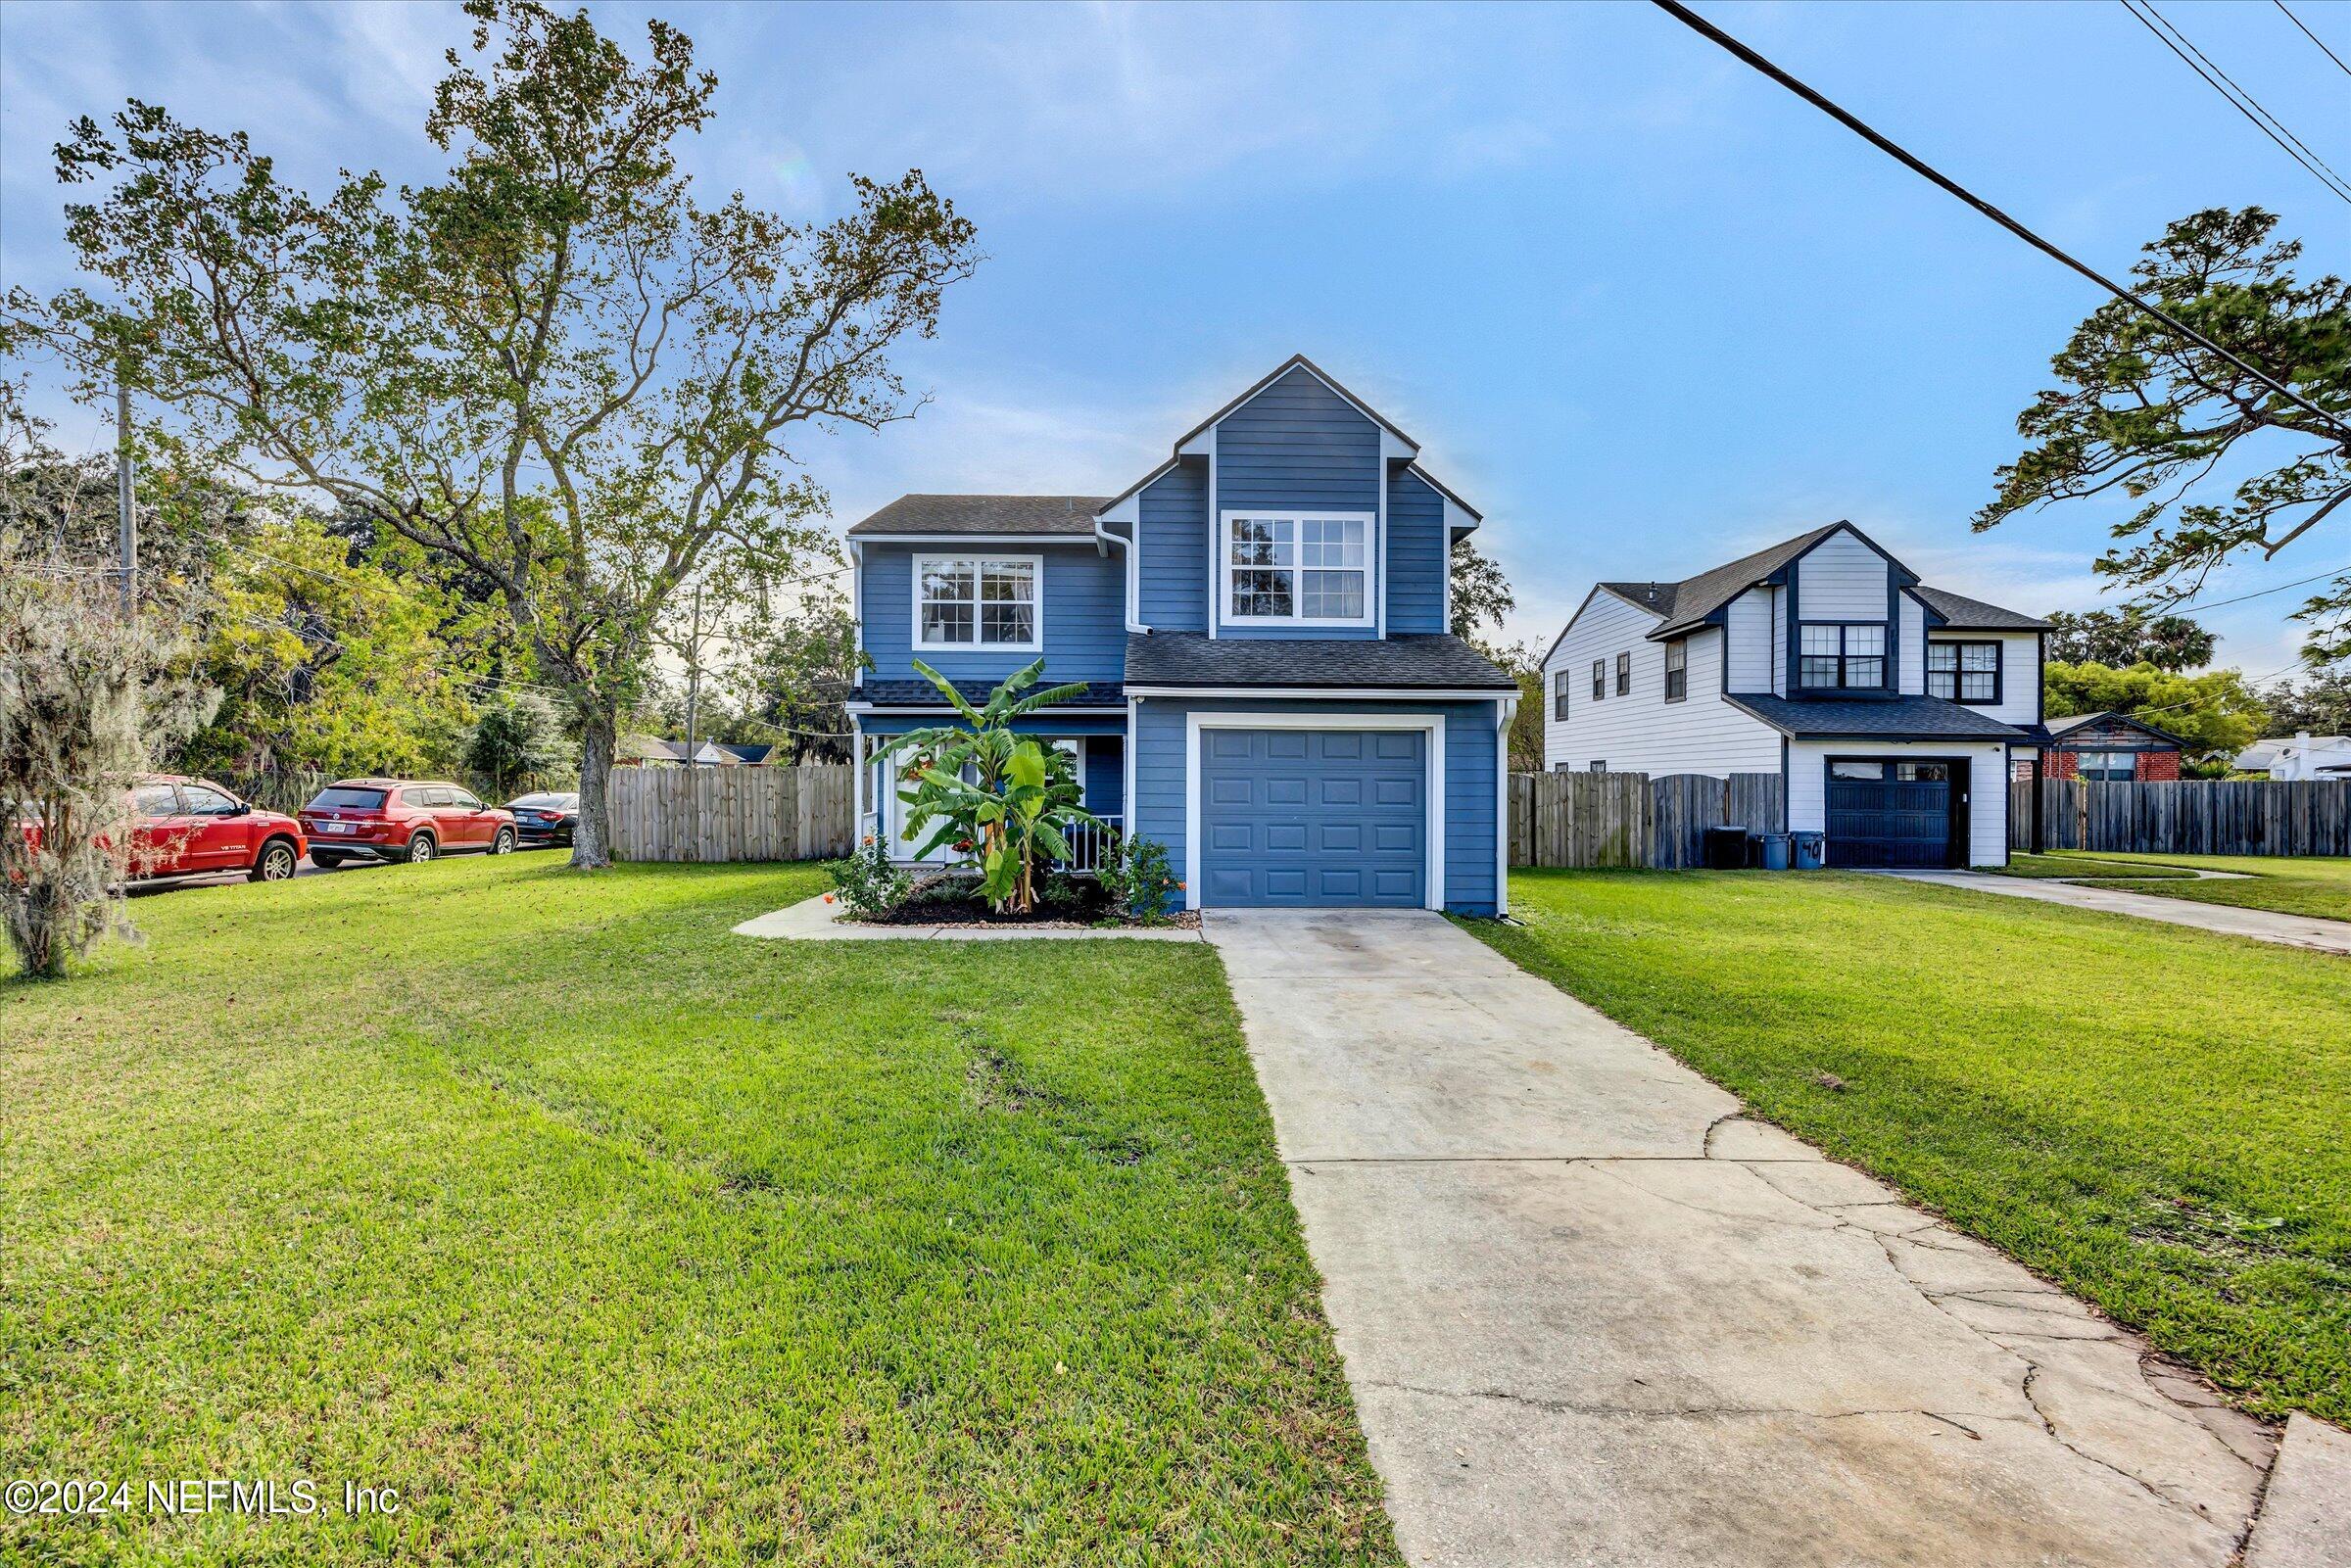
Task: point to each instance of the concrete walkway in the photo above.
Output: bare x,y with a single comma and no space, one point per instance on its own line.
1593,1315
2261,925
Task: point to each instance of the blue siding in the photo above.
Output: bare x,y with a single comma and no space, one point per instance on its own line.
1170,576
1297,443
1470,783
1083,598
1418,556
1105,777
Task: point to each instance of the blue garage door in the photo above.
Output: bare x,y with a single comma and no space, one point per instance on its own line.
1305,817
1887,813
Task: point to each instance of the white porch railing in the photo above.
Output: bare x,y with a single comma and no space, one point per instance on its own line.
1090,843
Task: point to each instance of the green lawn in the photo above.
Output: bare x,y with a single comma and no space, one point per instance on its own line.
606,1236
2072,864
2292,885
2151,1116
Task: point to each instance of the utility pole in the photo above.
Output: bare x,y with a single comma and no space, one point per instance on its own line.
693,674
127,518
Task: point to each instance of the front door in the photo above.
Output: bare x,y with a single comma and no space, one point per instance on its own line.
1313,817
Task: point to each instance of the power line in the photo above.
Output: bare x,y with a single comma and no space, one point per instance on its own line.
2244,102
2298,582
2312,37
1707,30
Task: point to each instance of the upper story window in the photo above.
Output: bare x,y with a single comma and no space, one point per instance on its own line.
1964,672
1304,568
1600,679
1625,674
1558,694
1677,671
977,601
1830,657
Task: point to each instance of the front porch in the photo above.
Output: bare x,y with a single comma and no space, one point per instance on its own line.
1096,743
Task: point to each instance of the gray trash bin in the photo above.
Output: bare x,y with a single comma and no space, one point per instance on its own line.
1771,851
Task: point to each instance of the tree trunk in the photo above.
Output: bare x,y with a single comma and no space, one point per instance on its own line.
592,828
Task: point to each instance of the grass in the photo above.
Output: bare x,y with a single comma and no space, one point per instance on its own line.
2076,865
606,1236
2151,1116
2291,885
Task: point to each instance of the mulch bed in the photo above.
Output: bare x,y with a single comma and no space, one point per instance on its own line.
945,901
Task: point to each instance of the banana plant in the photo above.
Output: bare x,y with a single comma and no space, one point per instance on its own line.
992,793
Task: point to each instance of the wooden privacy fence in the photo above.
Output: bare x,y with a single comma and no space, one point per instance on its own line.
1630,818
2189,817
1684,805
800,812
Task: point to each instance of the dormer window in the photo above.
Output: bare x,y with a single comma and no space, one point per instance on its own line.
977,602
1298,568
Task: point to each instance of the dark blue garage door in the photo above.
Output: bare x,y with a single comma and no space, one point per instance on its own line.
1307,816
1887,813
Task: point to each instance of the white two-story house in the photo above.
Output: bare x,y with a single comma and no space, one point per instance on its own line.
1887,708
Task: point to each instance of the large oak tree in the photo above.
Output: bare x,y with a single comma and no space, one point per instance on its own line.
555,370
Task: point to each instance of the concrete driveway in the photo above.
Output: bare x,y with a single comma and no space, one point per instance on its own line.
1591,1315
2260,924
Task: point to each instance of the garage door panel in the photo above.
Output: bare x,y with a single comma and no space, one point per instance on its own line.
1896,818
1313,817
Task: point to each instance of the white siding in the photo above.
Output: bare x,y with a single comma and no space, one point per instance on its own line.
1641,732
1841,579
2020,673
1988,786
1910,670
1779,640
1751,640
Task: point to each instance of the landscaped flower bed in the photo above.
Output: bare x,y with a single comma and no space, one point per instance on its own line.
1065,903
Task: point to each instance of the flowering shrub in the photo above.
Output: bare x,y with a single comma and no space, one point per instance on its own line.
1135,874
866,883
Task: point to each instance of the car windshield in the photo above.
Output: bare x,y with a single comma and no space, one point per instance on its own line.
340,799
542,802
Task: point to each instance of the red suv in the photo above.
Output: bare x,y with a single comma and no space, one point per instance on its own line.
194,827
401,820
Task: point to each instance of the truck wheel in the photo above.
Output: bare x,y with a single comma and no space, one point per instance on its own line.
276,863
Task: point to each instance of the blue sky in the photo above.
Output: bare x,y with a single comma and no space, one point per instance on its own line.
1644,308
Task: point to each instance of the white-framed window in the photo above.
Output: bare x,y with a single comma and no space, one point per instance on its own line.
979,602
1298,568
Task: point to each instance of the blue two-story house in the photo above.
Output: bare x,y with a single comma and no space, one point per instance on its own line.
1261,624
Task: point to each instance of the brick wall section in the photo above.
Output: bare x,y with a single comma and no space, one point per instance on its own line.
2162,767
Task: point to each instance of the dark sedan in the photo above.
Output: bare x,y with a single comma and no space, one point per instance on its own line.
545,820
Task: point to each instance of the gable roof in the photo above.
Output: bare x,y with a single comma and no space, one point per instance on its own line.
1296,361
1682,606
2059,729
1693,598
982,515
1961,614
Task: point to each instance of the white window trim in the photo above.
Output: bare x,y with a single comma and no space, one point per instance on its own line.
1432,726
1036,622
1225,568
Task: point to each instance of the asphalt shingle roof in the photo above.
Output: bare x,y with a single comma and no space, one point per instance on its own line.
1192,659
1880,718
982,515
923,694
1961,614
1693,598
